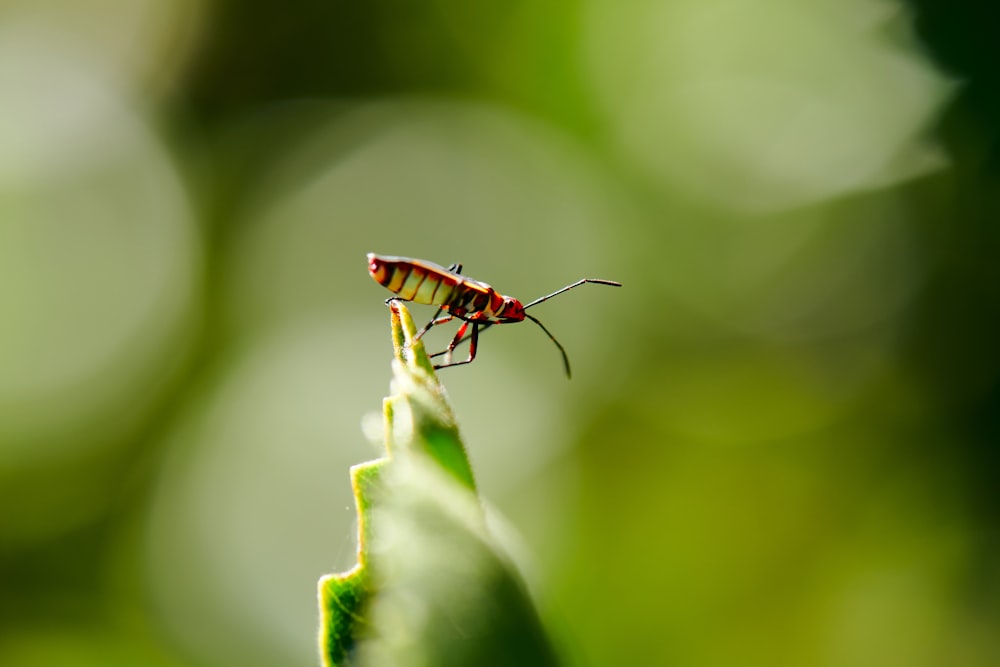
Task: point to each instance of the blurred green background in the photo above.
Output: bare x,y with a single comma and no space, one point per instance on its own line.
780,445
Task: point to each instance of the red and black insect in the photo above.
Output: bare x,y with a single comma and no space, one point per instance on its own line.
478,304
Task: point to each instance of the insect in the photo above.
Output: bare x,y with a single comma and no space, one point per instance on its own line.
476,303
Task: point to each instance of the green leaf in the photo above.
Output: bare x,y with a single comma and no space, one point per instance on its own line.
432,587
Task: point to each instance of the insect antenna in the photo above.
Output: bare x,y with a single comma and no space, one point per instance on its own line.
553,339
569,287
557,293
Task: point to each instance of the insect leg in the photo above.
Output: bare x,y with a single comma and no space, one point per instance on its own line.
454,341
473,340
482,327
433,323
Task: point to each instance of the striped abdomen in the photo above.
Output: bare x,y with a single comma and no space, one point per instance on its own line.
412,280
425,282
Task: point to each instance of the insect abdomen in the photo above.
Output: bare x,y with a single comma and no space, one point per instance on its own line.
417,282
428,283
